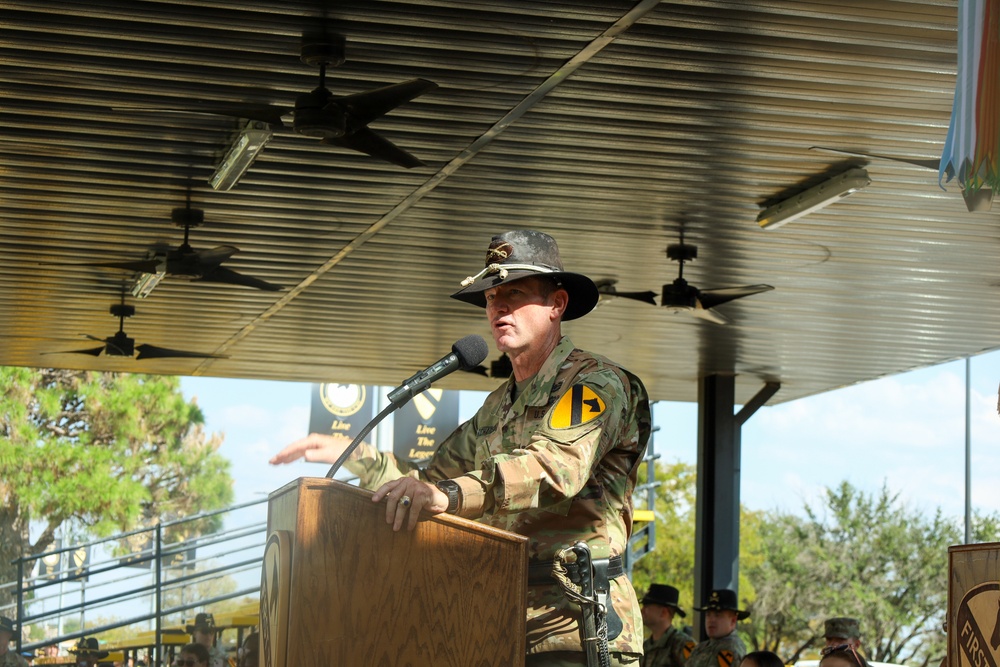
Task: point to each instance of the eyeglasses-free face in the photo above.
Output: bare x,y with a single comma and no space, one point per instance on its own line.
843,648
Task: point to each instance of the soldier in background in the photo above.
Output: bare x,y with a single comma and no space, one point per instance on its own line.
204,632
842,630
9,658
723,648
88,652
666,646
552,454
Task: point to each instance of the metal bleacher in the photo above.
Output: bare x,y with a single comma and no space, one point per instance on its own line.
136,592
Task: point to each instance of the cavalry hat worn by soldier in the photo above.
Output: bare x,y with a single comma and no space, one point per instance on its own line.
723,599
89,646
522,253
7,625
203,622
665,596
842,627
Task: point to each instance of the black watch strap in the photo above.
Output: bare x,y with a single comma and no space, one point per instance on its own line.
454,493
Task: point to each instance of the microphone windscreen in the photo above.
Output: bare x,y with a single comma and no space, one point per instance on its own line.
471,351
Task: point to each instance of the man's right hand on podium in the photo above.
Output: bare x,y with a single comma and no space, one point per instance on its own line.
315,447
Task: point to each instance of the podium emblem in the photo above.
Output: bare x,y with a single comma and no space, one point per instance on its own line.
978,627
275,579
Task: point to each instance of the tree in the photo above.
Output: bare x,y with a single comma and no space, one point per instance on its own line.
867,556
108,452
672,560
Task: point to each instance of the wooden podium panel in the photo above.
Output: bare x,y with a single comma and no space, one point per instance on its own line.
974,605
339,587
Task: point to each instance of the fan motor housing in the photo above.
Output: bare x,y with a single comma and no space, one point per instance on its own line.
314,117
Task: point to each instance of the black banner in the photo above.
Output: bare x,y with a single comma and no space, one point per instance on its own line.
79,563
340,408
50,564
140,546
421,425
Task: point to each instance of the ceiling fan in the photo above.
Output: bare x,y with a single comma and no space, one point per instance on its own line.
339,121
121,345
682,297
185,262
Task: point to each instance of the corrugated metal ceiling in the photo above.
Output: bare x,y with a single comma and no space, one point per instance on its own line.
614,126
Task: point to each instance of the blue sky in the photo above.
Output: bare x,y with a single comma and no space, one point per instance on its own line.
907,431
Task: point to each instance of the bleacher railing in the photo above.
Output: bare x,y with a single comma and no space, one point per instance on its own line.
135,580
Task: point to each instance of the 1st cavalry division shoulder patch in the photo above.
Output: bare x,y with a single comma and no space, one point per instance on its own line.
577,406
726,658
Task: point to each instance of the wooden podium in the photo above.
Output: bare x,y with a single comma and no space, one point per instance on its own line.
340,588
974,605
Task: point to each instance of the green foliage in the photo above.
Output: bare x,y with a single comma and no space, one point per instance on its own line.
867,556
672,560
102,451
863,555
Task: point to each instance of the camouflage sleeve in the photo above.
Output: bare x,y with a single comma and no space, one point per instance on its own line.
556,462
454,457
375,468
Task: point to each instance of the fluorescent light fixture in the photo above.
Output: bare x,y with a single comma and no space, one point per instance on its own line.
814,198
145,283
241,154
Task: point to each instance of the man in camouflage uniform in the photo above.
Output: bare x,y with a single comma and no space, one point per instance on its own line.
666,646
203,632
723,648
552,454
9,658
88,652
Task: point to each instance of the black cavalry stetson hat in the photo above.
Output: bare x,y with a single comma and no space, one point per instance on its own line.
723,599
89,646
522,253
664,595
203,622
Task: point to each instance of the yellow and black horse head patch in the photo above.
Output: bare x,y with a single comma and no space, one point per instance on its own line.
726,658
577,406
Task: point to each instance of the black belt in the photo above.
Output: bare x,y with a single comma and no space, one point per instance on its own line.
540,572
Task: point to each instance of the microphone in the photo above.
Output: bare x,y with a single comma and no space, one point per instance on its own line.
466,354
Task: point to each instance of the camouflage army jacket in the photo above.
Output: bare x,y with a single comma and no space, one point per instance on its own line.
672,649
217,657
727,651
557,465
12,659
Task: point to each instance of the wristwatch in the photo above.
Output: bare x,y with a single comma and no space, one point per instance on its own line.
454,492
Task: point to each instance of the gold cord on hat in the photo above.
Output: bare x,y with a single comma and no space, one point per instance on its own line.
503,269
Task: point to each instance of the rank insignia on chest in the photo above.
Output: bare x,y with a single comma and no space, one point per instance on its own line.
577,406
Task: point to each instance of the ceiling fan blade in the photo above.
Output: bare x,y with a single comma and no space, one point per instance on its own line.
710,298
94,352
140,266
262,112
216,255
367,106
153,352
221,274
645,297
367,141
703,313
934,165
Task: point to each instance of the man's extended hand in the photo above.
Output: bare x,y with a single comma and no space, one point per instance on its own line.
315,447
422,497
